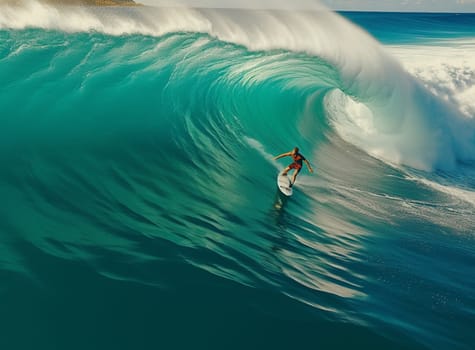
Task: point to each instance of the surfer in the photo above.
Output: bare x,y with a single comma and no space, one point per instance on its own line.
297,164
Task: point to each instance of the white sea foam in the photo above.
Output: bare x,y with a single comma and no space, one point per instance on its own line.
113,21
446,68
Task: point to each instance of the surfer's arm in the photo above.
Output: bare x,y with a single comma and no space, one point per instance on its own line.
307,163
287,154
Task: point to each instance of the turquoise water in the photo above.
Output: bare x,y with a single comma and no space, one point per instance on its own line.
140,204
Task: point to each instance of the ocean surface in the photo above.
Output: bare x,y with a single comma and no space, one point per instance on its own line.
138,186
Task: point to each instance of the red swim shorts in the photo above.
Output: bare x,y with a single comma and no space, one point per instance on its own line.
296,166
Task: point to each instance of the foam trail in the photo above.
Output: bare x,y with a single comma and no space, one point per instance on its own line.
253,143
462,194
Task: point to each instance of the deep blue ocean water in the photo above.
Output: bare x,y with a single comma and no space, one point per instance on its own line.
139,199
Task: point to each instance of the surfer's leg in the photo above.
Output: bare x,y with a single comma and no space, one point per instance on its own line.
286,170
294,176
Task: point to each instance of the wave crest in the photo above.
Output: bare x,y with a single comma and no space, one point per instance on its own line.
405,123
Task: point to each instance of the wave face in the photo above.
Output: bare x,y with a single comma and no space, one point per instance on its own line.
137,153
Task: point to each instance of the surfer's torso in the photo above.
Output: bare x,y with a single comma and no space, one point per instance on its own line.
298,159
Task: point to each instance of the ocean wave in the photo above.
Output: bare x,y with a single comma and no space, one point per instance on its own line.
408,125
132,136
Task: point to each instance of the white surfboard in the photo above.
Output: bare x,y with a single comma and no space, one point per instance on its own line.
283,182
